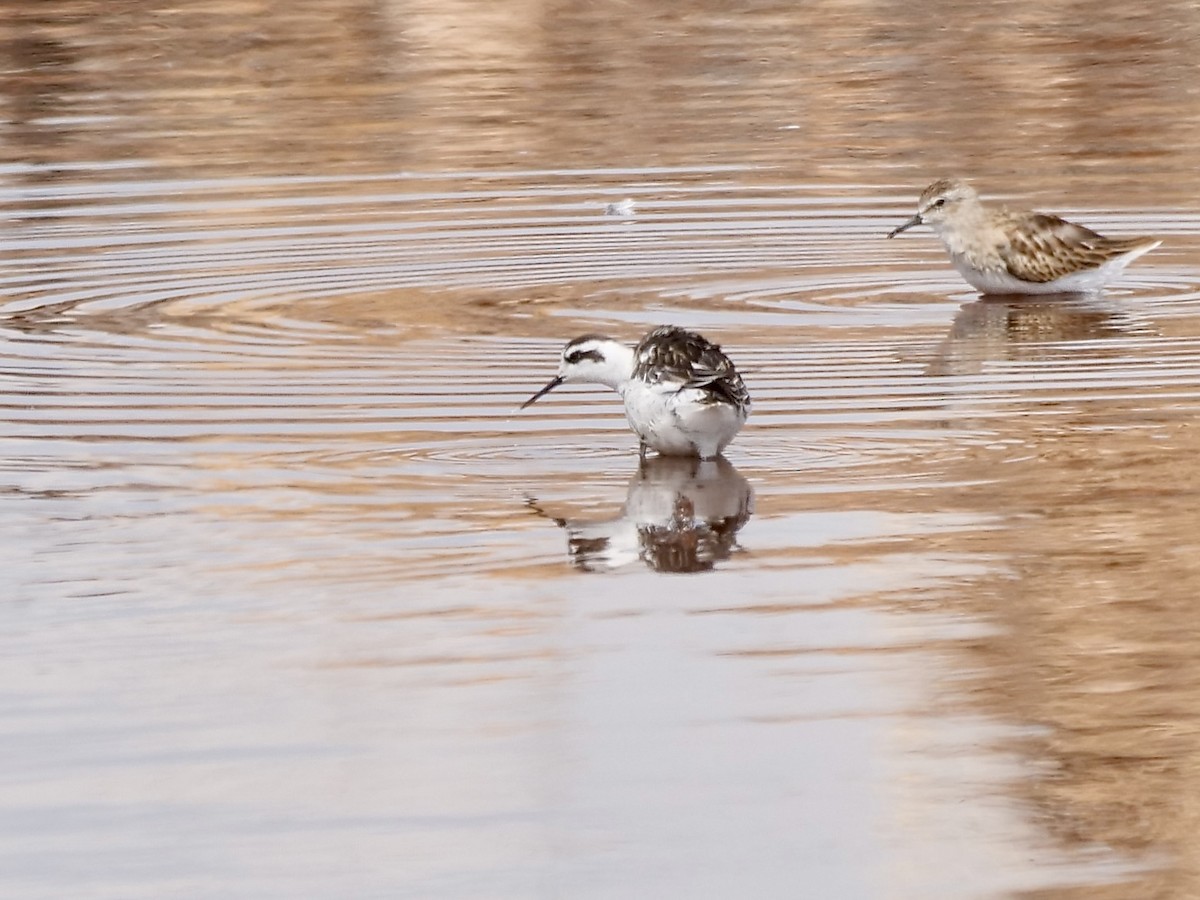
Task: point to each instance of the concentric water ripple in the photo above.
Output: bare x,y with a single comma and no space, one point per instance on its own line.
356,349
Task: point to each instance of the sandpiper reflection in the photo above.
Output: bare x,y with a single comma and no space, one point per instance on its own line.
1019,328
680,515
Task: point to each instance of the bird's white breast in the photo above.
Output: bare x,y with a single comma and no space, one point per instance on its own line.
679,422
999,281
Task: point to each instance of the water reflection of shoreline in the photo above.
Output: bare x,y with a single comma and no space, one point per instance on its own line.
994,328
1094,653
680,515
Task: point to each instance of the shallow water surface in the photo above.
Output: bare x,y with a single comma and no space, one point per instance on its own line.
300,603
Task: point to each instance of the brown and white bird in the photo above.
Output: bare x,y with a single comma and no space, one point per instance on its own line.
683,396
1002,251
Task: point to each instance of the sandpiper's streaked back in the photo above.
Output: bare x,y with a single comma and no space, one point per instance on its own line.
683,396
1001,251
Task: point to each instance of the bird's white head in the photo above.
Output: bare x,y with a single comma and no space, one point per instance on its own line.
943,201
591,359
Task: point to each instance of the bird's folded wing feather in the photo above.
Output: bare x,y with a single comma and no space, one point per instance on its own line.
1043,248
689,360
719,379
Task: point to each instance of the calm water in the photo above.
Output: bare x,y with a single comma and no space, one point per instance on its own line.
299,604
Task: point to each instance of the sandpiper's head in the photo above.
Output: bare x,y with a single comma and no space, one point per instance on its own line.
590,359
940,202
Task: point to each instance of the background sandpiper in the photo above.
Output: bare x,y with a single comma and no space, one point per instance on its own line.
1001,251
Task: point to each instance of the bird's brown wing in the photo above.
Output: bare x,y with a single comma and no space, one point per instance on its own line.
669,353
1043,248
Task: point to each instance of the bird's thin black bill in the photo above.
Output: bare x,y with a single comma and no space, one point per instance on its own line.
554,382
915,220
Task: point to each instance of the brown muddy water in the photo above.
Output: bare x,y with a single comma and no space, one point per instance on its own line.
298,604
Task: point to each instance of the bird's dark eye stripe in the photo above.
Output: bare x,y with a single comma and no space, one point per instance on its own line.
577,356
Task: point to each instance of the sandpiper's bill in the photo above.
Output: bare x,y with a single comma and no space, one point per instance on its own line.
1001,251
683,396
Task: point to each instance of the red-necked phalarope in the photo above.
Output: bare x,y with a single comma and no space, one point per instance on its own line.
683,397
1019,252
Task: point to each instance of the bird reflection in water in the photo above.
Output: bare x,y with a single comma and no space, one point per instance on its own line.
680,515
1019,328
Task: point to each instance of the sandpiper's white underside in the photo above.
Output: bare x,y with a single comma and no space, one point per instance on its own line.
999,281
